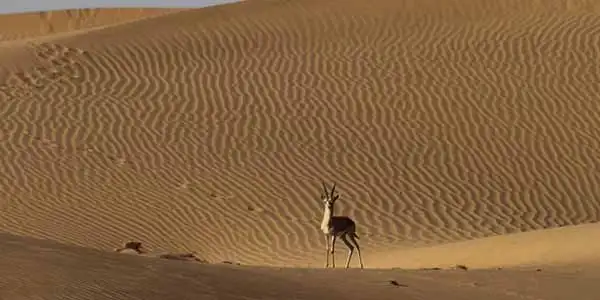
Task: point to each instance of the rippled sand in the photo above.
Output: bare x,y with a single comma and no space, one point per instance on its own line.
455,130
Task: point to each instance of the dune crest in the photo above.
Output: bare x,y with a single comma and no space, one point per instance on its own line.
37,24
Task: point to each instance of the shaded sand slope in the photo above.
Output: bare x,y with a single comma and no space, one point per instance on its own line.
37,269
572,245
211,130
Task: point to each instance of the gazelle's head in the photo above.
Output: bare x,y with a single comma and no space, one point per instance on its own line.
329,198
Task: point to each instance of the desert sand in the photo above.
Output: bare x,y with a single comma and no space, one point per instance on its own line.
462,136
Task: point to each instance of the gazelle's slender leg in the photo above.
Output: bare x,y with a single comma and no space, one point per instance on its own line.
350,249
353,239
326,251
333,237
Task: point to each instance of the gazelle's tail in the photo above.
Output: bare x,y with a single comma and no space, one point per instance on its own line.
356,235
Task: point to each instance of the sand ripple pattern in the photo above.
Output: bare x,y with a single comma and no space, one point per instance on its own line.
211,130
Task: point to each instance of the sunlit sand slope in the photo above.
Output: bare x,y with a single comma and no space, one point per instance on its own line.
211,130
559,247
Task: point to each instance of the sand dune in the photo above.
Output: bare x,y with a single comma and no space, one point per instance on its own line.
37,269
565,246
40,24
210,130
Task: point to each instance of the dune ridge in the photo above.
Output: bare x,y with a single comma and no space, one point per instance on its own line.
211,130
40,24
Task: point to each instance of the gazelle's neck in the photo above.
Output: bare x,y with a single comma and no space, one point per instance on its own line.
327,214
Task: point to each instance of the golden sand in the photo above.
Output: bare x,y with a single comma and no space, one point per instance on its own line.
458,133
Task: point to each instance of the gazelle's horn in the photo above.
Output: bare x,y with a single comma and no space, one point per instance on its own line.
332,190
324,188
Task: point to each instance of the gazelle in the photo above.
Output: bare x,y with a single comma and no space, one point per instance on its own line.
337,226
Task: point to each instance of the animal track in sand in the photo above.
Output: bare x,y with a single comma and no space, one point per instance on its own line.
56,63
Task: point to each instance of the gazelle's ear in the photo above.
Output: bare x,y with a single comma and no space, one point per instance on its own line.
336,197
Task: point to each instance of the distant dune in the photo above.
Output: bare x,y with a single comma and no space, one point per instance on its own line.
28,25
455,131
